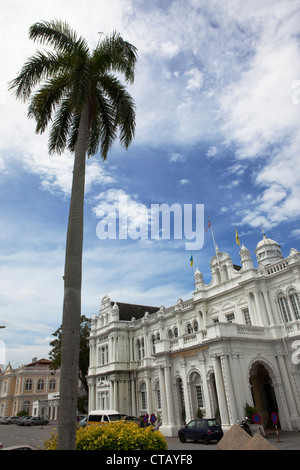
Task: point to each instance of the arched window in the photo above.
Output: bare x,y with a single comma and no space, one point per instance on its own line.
158,395
175,332
143,347
197,391
153,339
139,349
40,384
28,385
294,298
143,392
26,406
196,326
52,384
189,329
170,334
284,307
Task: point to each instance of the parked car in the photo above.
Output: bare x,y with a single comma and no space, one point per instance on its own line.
2,420
83,422
80,418
22,419
103,416
205,430
35,420
19,447
133,419
11,420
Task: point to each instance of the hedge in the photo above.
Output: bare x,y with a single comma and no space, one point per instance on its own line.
117,435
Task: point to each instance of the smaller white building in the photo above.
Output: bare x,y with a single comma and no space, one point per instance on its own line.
47,408
235,342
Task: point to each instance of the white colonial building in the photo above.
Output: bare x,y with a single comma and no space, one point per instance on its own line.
234,342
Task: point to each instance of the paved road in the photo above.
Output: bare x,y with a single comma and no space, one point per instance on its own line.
12,434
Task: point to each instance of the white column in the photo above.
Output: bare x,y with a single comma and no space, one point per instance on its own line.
116,404
207,402
231,405
258,308
240,394
133,398
92,391
290,400
252,308
188,413
268,306
220,391
149,395
170,395
162,387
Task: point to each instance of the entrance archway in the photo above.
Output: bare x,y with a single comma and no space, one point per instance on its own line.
263,393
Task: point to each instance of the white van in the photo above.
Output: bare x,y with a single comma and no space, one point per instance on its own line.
103,416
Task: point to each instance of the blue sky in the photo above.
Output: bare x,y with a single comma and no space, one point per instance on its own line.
218,114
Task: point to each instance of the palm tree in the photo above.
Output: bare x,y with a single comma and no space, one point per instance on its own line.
87,108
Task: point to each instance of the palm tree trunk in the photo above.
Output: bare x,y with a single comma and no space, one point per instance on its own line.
72,296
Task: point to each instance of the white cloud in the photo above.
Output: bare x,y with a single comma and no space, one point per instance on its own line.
196,79
185,182
212,151
177,157
169,49
296,233
260,118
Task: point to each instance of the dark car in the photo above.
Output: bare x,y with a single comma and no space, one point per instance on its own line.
205,430
132,419
35,421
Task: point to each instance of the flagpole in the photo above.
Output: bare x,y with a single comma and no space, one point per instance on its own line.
212,233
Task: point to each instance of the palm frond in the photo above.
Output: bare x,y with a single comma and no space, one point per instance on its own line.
43,103
73,131
125,119
124,108
80,80
103,127
58,34
60,128
37,68
72,78
113,53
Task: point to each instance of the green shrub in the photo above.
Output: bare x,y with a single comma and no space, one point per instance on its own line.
51,443
249,411
115,436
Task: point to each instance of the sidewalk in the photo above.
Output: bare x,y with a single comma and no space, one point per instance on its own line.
288,440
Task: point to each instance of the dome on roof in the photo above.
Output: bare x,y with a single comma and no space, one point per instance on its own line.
268,251
266,241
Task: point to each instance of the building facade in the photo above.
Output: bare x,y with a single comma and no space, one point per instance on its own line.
235,342
32,388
